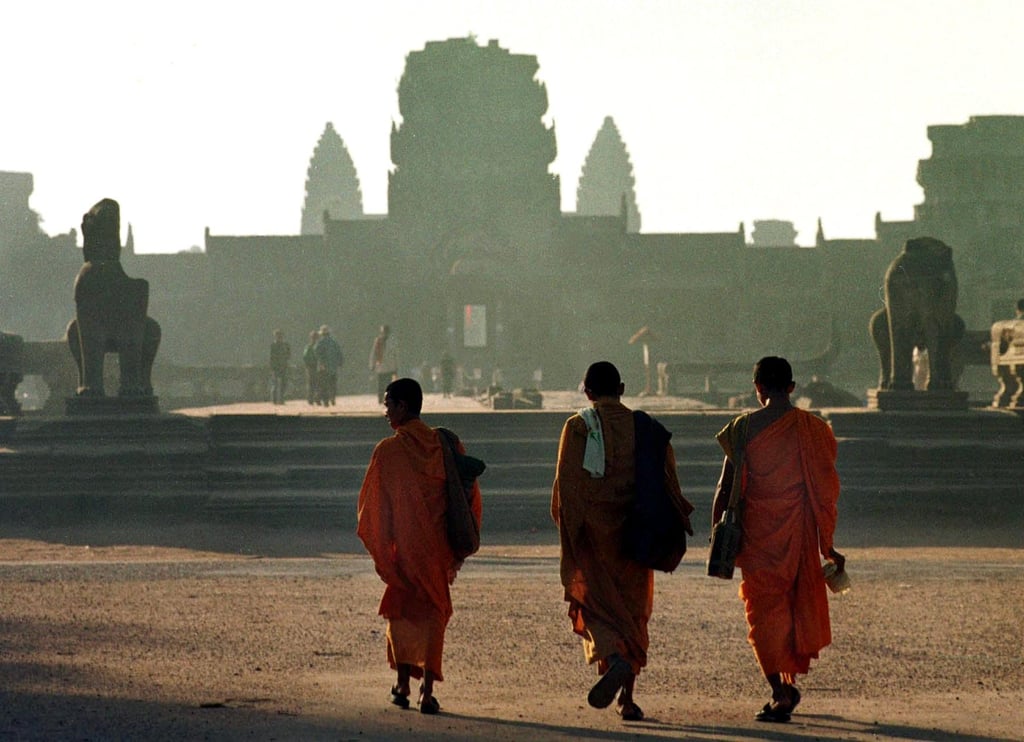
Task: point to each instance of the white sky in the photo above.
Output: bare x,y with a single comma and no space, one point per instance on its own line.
205,113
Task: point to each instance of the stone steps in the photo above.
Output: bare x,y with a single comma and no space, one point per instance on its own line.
74,456
305,472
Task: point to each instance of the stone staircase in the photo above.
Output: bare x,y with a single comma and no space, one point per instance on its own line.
276,452
960,470
134,454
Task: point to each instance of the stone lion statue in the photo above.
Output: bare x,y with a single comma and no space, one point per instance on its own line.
110,311
919,312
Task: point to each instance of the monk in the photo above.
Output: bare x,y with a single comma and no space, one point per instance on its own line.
790,489
401,521
610,597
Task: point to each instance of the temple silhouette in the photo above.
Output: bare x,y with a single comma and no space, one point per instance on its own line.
475,257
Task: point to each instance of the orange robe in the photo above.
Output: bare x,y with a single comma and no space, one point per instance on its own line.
401,523
610,597
790,492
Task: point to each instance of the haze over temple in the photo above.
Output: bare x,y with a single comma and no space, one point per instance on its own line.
475,257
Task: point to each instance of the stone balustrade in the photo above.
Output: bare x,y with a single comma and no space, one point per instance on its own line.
1007,353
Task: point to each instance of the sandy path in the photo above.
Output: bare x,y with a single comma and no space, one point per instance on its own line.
142,643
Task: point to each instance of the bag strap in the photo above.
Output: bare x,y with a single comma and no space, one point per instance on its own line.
451,471
737,465
448,438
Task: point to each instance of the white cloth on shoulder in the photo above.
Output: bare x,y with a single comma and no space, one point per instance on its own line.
593,454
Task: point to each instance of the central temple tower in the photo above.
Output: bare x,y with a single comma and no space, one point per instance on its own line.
472,206
471,155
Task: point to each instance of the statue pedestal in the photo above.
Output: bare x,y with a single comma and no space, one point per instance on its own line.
912,400
112,406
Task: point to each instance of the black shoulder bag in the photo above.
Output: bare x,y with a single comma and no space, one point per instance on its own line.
461,472
727,533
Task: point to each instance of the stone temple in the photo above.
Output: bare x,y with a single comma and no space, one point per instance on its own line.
475,257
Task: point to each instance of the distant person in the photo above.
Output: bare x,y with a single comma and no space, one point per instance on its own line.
422,374
401,522
497,382
610,597
788,515
447,375
280,354
663,378
309,363
383,360
328,362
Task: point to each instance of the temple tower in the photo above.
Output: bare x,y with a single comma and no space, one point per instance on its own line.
471,154
974,201
332,184
473,207
607,182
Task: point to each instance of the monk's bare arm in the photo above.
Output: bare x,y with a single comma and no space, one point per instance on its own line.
722,491
824,486
556,500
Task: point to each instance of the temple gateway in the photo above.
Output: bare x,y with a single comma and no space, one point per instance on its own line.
475,257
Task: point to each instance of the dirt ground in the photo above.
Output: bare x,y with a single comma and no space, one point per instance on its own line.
158,644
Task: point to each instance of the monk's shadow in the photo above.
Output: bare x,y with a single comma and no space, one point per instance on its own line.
829,726
634,730
803,727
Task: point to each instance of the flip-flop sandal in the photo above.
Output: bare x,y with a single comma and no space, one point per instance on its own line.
430,706
398,699
773,714
630,712
605,689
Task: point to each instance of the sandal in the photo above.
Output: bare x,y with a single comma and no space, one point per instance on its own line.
630,712
398,699
774,713
605,689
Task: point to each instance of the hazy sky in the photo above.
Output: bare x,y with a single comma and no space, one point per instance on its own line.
196,114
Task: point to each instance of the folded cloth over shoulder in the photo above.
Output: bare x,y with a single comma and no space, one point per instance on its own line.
659,520
593,454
